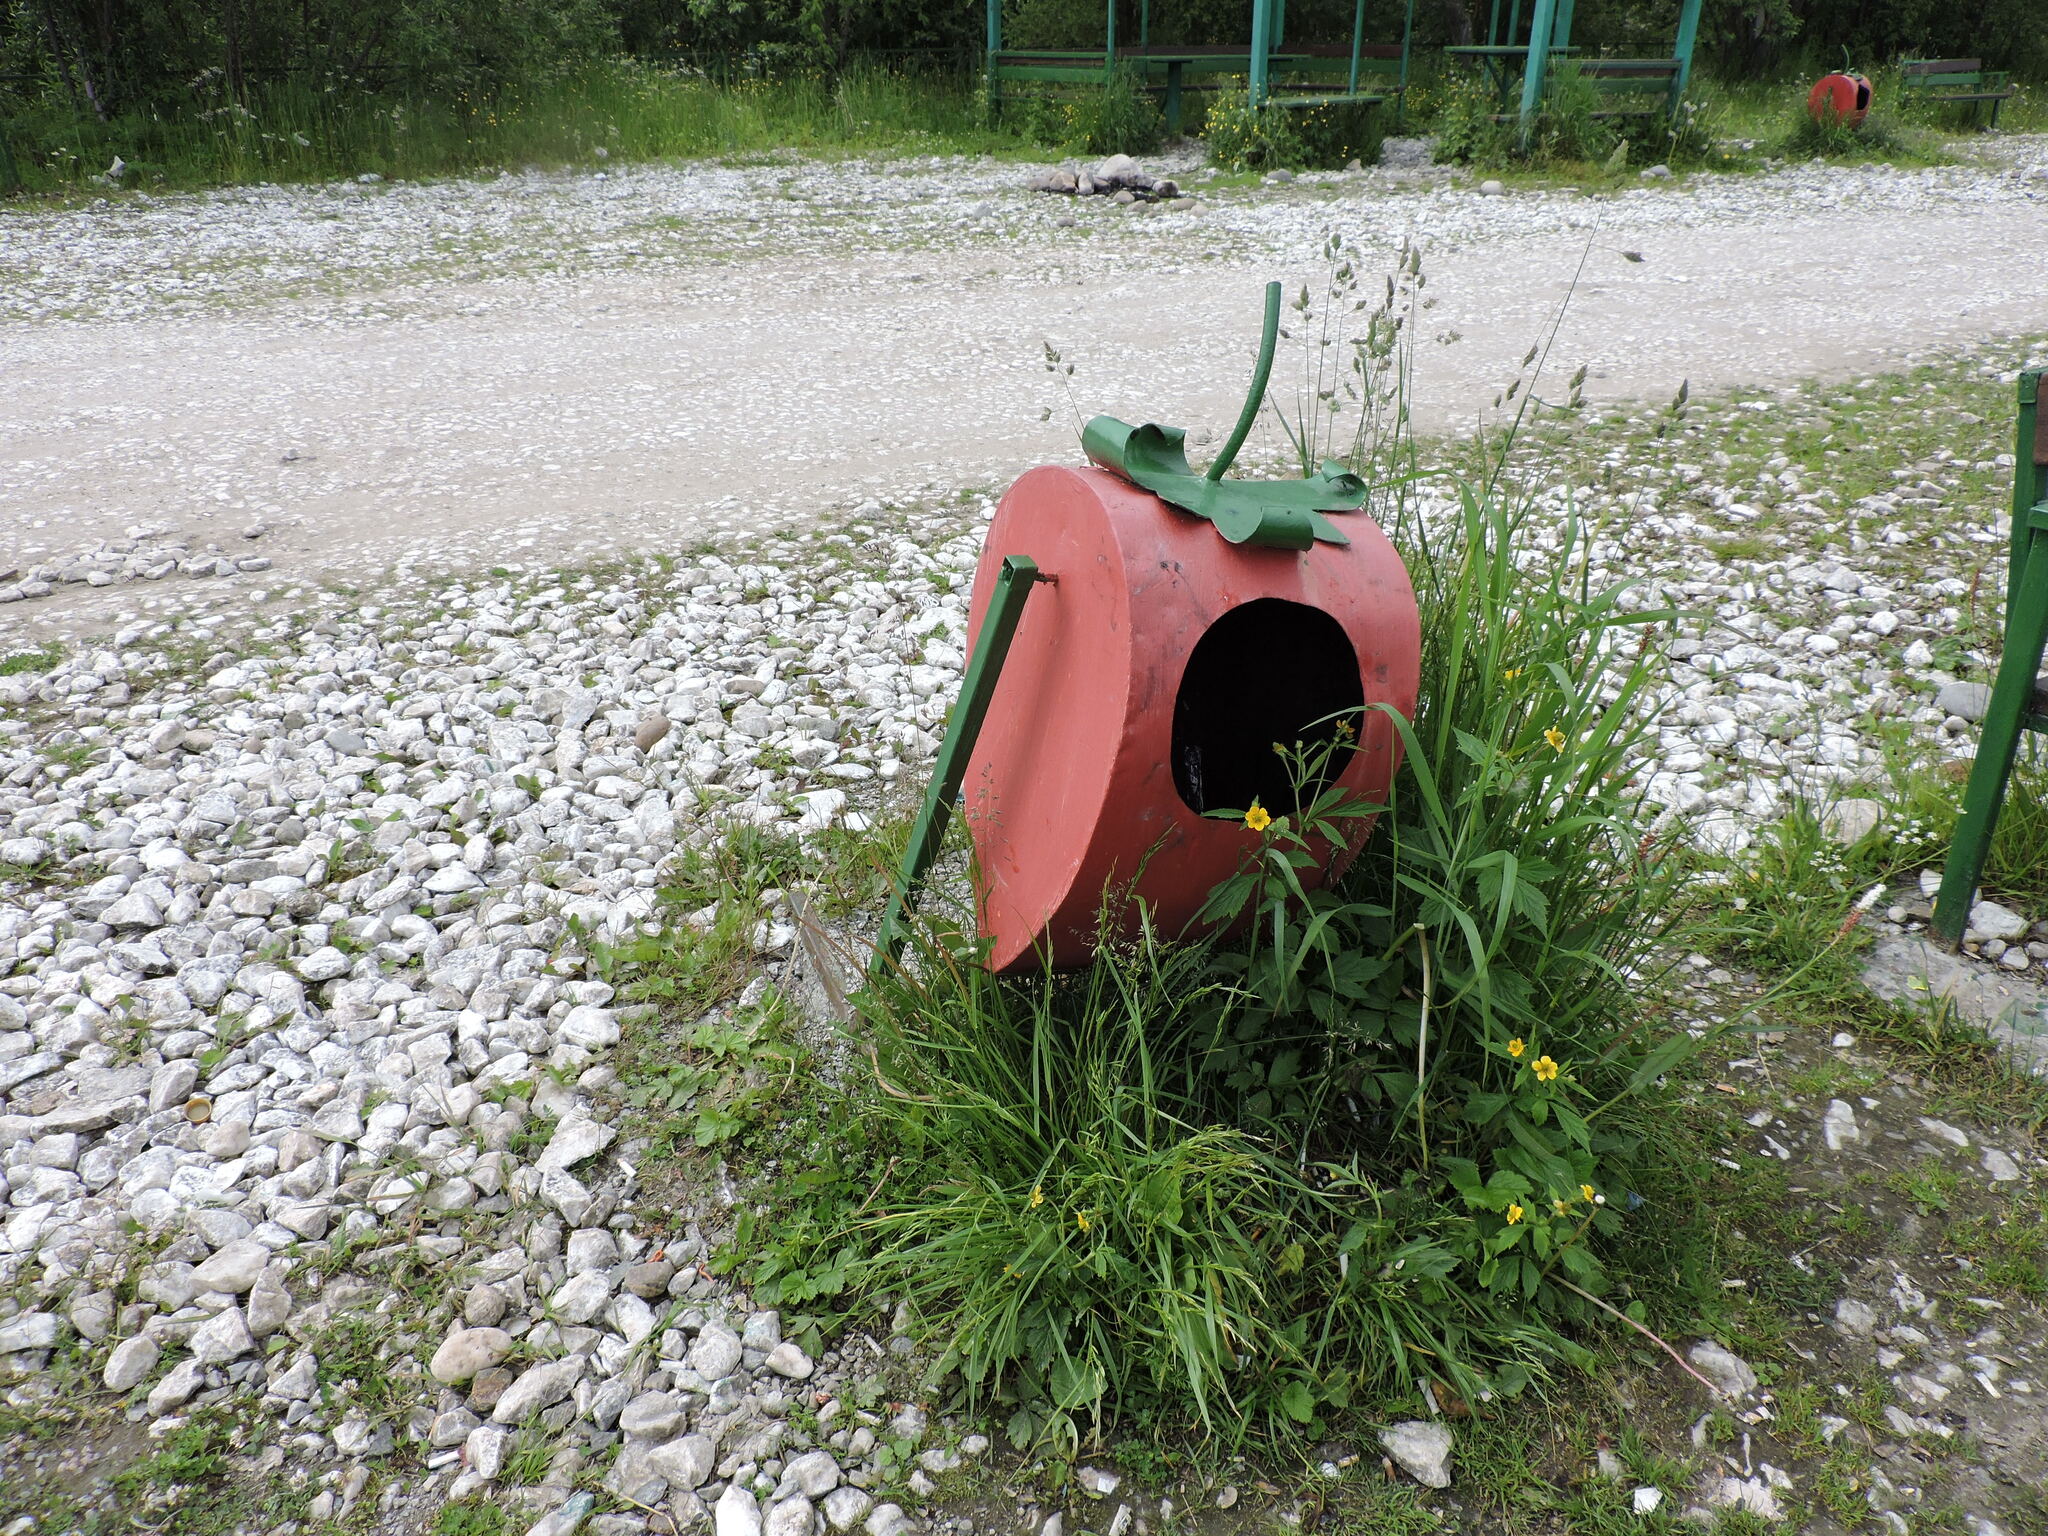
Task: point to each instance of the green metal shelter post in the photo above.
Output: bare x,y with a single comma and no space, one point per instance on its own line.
1688,35
1358,41
1493,26
1144,23
1279,23
1540,21
1109,47
995,47
1561,29
1262,47
977,688
1407,45
2015,705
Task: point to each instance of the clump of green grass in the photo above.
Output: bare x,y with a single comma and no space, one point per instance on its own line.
620,110
41,659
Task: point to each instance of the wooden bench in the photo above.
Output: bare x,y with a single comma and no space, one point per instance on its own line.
1632,77
1942,81
1318,75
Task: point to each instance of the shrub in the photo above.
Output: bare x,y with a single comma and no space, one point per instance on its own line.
1240,138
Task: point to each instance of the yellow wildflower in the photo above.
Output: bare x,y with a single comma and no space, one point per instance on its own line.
1511,674
1256,818
1544,1068
1516,1046
1081,1220
1562,1207
1037,1196
1556,738
1585,1192
1514,1214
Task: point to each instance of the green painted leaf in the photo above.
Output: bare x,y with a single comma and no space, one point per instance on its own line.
1273,514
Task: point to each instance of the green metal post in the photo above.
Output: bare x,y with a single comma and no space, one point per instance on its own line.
1561,29
1407,40
1357,42
1174,71
1539,60
2026,636
995,46
1269,334
2026,592
977,688
1493,26
1109,48
2029,483
1144,23
1514,20
1262,44
1688,34
1279,23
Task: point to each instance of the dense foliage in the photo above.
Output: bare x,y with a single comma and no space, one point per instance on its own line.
108,57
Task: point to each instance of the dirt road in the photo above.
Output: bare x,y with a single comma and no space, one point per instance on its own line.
418,374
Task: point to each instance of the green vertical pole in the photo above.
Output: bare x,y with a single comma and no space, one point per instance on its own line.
977,688
1561,30
2029,457
1407,41
1262,42
1357,42
1493,26
995,46
1688,34
1539,59
1279,23
2026,636
1174,70
1109,48
1144,23
1514,20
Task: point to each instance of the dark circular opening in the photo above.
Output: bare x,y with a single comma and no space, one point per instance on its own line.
1268,671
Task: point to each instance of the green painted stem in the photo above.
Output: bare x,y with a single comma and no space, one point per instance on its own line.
977,688
1267,338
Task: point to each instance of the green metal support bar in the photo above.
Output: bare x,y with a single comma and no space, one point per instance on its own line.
1539,59
1688,35
1279,23
977,688
1144,23
995,47
1561,29
1407,46
1357,41
1493,26
1261,48
1269,334
2014,707
1109,47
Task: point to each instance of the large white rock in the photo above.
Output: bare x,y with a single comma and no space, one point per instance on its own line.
736,1513
469,1350
1728,1371
131,1360
687,1462
540,1387
234,1269
1422,1450
224,1338
716,1352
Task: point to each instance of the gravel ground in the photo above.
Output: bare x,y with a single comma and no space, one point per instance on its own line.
293,982
640,359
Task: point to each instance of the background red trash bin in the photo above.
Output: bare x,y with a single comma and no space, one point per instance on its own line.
1846,96
1147,683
